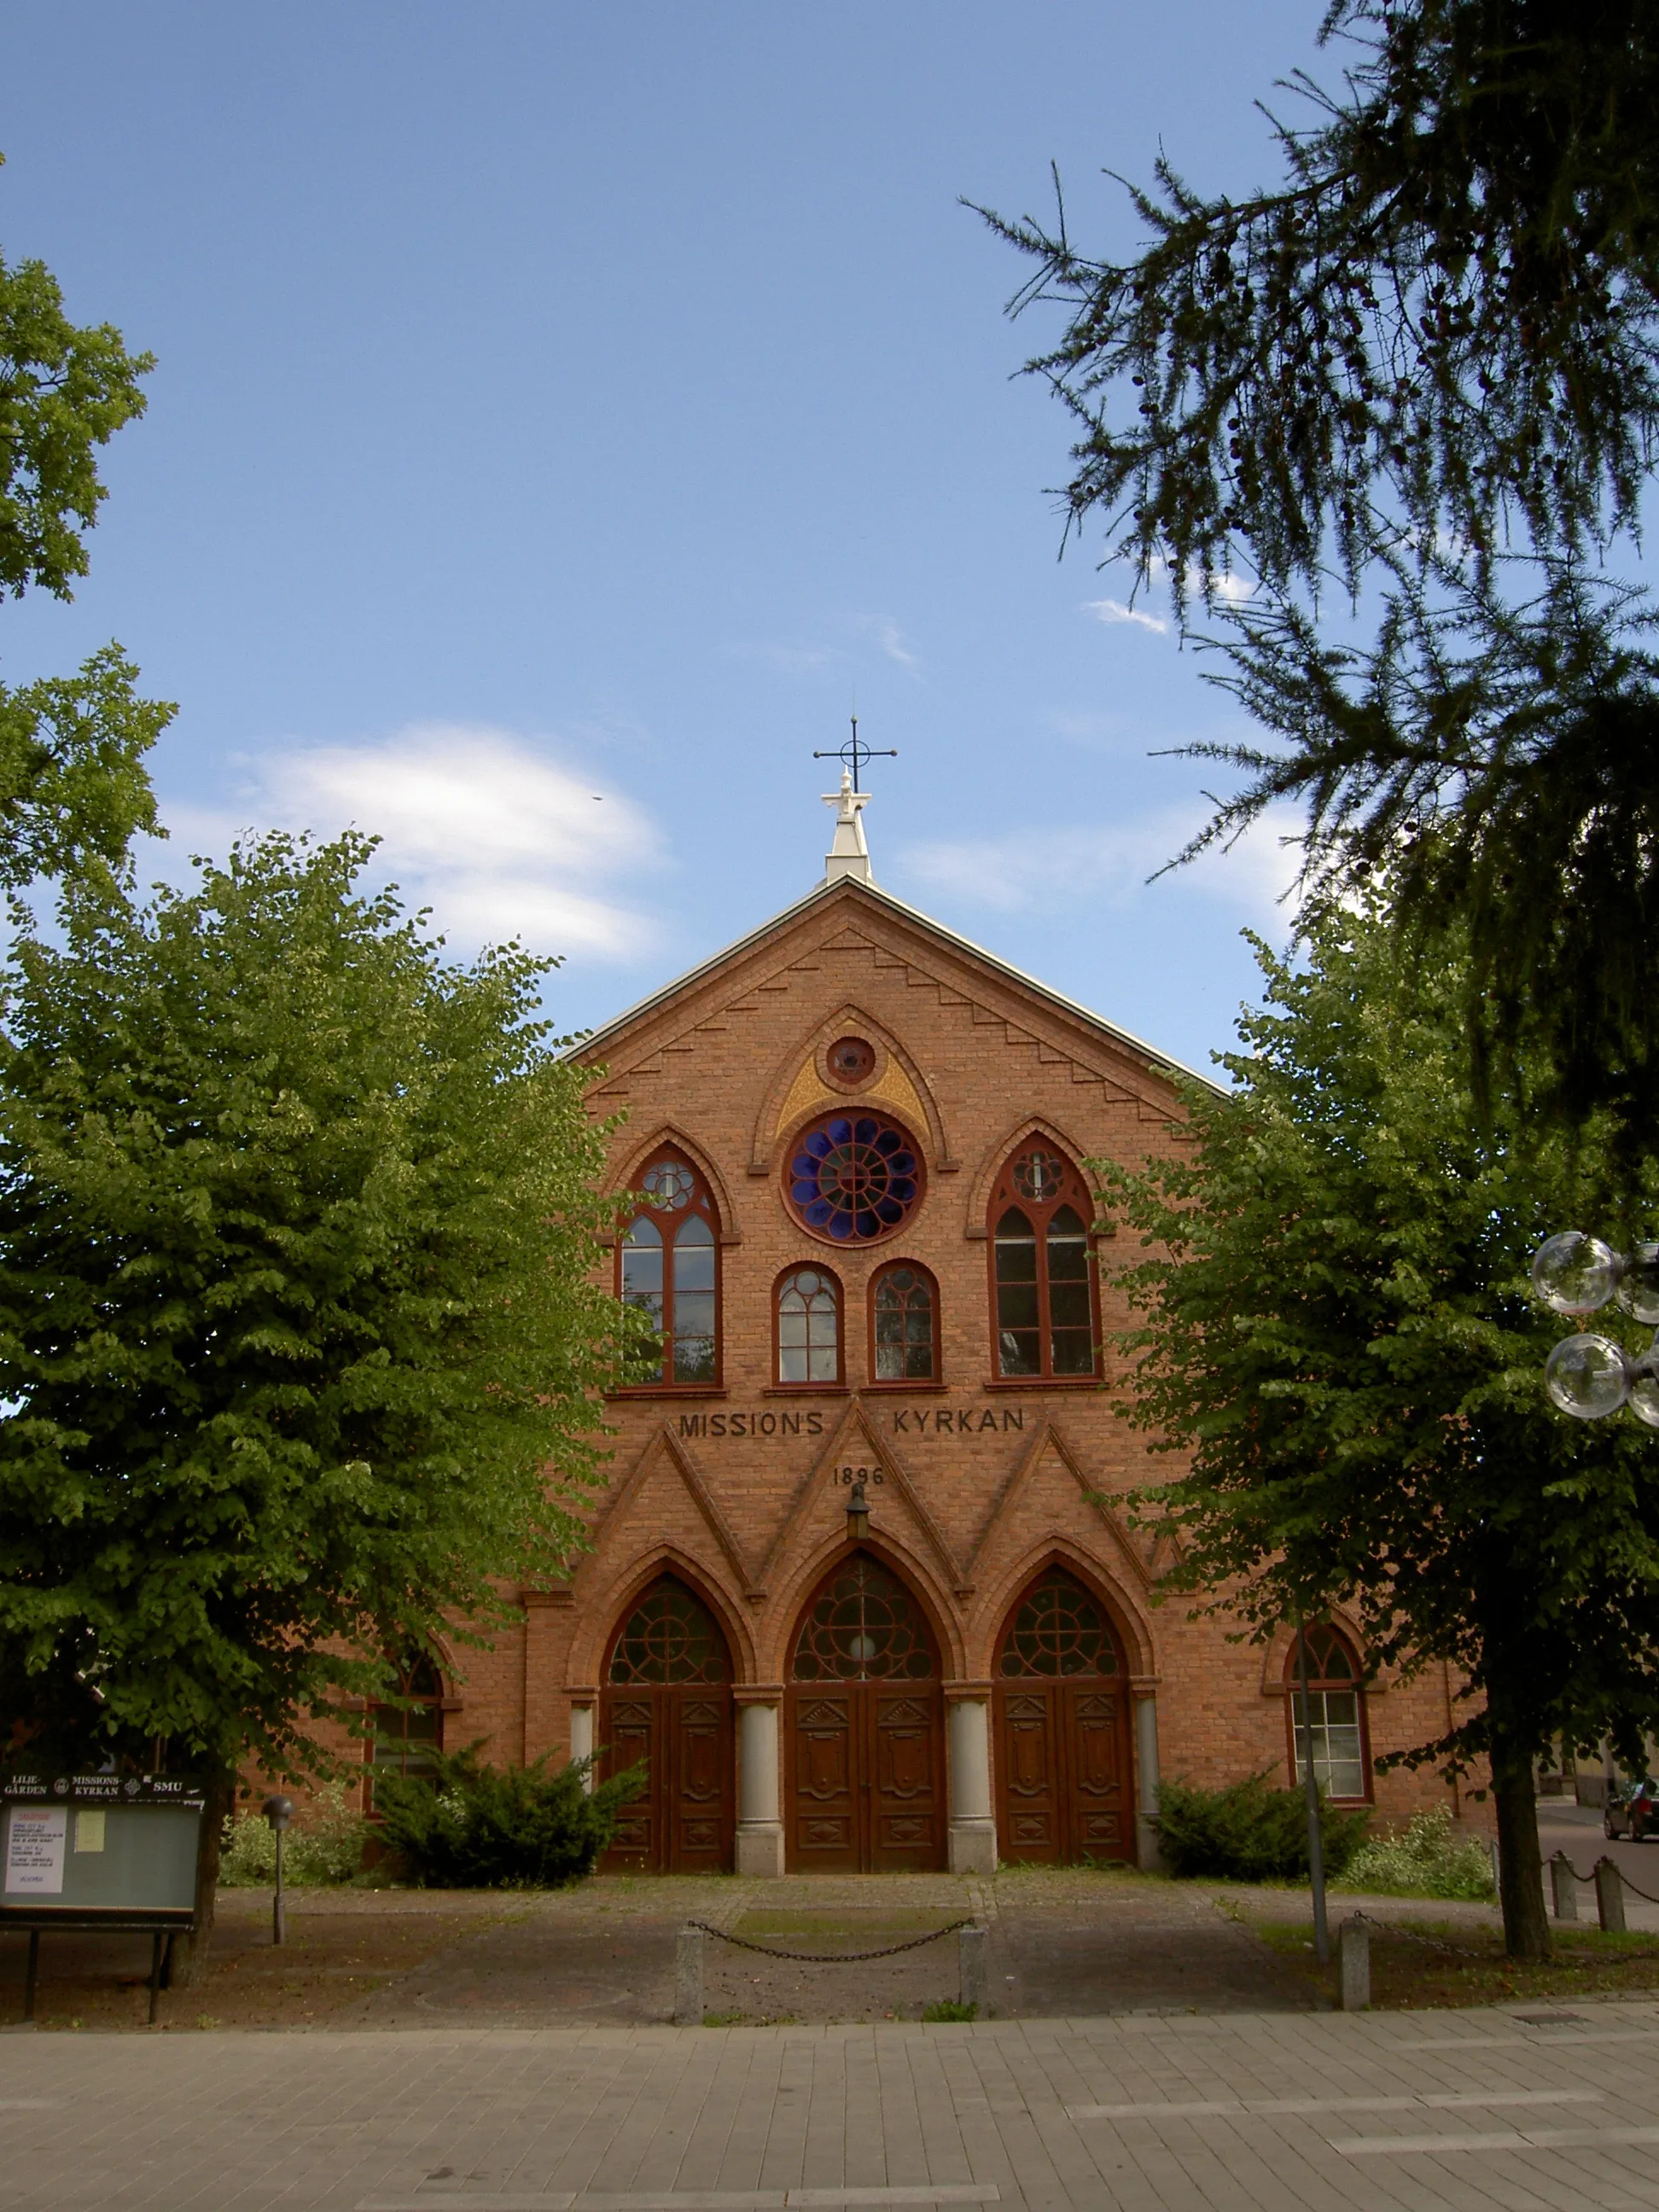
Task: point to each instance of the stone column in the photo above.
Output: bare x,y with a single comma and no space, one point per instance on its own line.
760,1825
1147,1855
973,1828
582,1702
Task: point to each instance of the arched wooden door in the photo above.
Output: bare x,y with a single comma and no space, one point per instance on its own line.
668,1701
865,1733
1065,1788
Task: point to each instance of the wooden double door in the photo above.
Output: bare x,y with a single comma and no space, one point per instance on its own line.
667,1705
863,1731
1065,1778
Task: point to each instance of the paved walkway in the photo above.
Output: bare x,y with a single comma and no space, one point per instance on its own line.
1286,2112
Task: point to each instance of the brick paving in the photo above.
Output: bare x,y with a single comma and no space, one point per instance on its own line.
1284,2112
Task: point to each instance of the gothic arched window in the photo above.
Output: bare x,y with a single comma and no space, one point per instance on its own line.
1041,1282
403,1738
809,1326
668,1265
904,1325
863,1626
670,1636
1336,1714
1059,1630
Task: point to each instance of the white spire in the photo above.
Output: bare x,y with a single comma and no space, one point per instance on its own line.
848,854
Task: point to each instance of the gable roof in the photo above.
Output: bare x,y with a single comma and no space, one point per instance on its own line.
851,889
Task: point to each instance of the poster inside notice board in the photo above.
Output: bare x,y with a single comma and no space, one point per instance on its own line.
91,1843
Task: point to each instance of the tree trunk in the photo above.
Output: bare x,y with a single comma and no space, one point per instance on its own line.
1520,1864
188,1969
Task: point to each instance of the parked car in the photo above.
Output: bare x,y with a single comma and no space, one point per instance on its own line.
1633,1810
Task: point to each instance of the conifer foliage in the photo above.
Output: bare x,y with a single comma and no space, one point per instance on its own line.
1420,375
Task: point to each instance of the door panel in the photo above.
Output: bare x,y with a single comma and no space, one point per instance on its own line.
1062,1773
1027,1770
905,1738
823,1824
628,1728
683,1821
864,1771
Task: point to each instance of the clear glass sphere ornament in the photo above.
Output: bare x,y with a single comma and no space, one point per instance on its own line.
1639,1284
1644,1390
1588,1376
1574,1273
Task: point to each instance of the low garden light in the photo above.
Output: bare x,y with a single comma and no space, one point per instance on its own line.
279,1811
1590,1375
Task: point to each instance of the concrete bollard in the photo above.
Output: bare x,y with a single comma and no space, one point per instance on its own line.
1609,1897
1353,1940
688,1978
1563,1886
974,1965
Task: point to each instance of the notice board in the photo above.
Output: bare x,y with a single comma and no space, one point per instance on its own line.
90,1844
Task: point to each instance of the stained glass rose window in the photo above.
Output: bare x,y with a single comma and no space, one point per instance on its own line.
853,1178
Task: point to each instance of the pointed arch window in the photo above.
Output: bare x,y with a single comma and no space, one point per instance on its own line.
668,1267
1336,1715
405,1739
1043,1283
904,1325
809,1328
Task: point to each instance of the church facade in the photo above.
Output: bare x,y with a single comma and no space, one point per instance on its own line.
862,1590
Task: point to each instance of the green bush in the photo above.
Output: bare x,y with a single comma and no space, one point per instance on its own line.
1427,1861
328,1848
1247,1832
491,1827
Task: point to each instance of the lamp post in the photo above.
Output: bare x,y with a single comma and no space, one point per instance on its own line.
1590,1376
1310,1787
279,1811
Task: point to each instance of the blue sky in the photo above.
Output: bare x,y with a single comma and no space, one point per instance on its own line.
555,401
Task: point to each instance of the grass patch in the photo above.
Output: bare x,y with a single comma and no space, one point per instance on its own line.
948,2009
1407,1975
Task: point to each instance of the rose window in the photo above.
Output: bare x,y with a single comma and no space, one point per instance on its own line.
854,1180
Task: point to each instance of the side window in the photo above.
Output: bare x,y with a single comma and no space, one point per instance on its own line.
668,1265
809,1326
403,1738
1042,1284
1336,1716
903,1326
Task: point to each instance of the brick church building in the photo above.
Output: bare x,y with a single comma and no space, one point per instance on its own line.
861,1591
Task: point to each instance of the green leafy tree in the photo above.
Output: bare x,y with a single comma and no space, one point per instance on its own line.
1335,1330
1421,368
298,1328
73,789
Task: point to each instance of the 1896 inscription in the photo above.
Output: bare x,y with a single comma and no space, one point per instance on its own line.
943,1421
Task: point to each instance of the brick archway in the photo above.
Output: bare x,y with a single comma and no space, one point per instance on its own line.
864,1729
666,1703
1060,1706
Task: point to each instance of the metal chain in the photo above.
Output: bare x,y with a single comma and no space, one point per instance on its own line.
1486,1958
830,1958
1561,1858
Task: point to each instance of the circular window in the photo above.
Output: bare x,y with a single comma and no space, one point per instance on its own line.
851,1062
853,1181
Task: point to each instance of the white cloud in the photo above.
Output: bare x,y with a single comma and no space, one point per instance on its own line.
891,641
496,838
1114,610
1110,863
